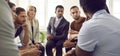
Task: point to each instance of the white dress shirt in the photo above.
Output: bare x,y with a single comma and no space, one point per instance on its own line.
57,21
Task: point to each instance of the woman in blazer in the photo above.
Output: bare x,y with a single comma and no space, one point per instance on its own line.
33,26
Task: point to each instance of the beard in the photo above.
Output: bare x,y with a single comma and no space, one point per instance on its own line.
19,22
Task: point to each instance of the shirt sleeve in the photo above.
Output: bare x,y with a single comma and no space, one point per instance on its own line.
87,40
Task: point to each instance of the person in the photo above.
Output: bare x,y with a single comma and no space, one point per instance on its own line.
21,26
100,34
57,32
13,9
75,27
33,26
23,32
7,45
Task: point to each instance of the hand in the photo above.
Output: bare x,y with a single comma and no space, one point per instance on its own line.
68,44
34,52
30,52
71,53
25,26
72,36
49,37
37,45
73,32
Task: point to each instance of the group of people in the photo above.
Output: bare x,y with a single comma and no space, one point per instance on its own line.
27,28
97,34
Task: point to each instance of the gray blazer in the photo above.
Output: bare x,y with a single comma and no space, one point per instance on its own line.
59,33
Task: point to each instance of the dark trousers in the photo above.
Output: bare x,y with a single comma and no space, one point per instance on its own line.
54,44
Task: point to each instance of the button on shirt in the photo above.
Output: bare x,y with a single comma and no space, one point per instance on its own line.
100,35
57,21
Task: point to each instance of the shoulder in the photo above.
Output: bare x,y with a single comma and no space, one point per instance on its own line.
65,20
51,18
83,19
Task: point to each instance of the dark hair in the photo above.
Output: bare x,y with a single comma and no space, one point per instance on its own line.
11,4
73,7
59,6
19,9
92,6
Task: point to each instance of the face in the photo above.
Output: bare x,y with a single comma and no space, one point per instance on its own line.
75,13
21,18
13,12
32,12
59,12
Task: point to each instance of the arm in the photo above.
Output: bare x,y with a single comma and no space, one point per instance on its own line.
80,52
49,35
73,32
49,27
26,36
30,52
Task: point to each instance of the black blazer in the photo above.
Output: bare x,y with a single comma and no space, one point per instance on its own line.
61,31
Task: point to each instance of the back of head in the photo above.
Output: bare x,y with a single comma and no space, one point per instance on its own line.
92,6
11,4
19,9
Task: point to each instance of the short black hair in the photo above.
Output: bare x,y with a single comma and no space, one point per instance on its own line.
11,4
59,6
92,5
19,9
74,7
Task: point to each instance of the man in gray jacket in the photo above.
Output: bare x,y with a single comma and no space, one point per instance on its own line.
57,32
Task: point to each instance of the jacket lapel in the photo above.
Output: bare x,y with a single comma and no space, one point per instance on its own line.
61,23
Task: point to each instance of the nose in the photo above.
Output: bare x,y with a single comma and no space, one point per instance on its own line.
75,14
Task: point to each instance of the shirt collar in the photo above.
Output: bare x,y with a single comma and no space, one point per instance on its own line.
58,18
103,11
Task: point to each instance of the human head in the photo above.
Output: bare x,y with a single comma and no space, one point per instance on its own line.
31,11
12,7
21,15
74,12
91,6
7,1
59,10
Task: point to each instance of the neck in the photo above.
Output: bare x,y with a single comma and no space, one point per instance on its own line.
78,20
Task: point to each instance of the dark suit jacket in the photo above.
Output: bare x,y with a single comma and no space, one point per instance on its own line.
59,33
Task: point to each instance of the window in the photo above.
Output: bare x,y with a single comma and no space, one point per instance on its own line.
116,8
46,9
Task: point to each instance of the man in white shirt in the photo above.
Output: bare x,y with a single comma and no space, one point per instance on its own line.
7,45
99,36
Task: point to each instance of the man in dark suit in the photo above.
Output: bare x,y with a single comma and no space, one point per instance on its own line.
57,32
